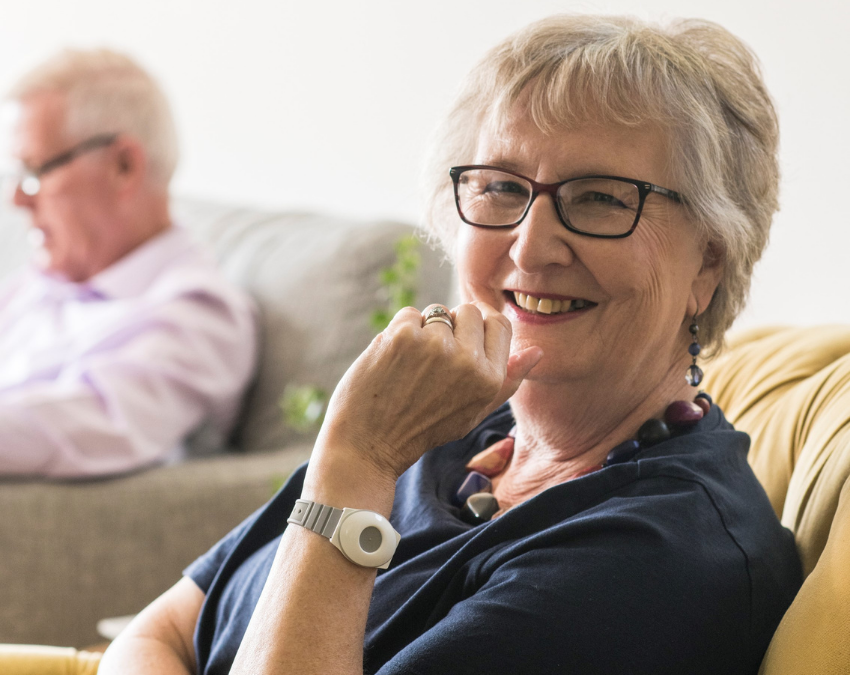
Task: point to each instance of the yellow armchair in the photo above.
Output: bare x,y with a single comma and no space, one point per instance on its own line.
38,660
789,388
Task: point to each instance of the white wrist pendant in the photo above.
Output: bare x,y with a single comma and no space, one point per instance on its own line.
364,537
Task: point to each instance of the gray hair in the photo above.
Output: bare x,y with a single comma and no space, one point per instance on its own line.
107,92
700,83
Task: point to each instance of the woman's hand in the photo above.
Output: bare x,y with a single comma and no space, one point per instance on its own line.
413,388
416,387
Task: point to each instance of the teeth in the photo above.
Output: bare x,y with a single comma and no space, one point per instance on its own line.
547,305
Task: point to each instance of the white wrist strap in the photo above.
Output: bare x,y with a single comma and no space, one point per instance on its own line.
317,518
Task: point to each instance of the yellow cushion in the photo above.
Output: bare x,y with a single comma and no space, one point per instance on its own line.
38,660
789,388
814,636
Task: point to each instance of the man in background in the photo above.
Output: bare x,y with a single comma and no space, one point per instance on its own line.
122,337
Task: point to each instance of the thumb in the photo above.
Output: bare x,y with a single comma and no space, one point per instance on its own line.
519,366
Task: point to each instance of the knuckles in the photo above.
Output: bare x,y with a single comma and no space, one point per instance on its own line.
403,336
408,348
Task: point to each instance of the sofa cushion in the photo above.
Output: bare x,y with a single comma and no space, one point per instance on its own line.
316,282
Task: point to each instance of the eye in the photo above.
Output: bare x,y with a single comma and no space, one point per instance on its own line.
600,194
506,187
600,198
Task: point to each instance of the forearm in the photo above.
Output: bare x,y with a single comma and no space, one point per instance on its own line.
312,613
137,655
414,388
66,433
160,639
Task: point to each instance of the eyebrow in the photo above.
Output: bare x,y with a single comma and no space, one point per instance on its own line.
502,163
26,162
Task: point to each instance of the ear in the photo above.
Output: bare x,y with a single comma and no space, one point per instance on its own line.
707,280
129,165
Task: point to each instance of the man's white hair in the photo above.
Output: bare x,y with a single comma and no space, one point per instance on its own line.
107,92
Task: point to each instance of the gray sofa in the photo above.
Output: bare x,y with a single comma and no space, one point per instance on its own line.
72,553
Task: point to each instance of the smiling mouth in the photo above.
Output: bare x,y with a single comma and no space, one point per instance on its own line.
536,305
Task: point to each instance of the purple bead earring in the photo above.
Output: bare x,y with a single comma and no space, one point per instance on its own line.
694,373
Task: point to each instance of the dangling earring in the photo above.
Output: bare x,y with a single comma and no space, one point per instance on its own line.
694,373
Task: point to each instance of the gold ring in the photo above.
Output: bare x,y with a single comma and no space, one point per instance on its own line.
440,319
438,313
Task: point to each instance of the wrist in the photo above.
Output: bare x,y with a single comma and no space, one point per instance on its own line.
341,478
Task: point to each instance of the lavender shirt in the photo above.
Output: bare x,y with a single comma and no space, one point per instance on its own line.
111,374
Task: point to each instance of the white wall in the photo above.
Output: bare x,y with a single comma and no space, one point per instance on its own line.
328,105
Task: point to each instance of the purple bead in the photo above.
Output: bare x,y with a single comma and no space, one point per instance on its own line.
474,482
683,414
622,453
694,375
694,349
653,432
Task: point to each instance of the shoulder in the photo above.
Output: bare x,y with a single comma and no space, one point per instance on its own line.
177,279
189,267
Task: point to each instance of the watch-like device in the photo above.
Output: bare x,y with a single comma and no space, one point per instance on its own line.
364,537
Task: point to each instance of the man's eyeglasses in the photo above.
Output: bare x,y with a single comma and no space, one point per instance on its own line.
29,180
597,206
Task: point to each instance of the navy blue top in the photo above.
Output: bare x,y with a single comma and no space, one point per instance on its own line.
671,563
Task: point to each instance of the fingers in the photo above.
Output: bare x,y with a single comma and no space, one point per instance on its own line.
476,327
406,315
519,366
497,333
469,326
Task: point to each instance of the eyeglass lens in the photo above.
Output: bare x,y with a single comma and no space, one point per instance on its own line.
30,185
599,206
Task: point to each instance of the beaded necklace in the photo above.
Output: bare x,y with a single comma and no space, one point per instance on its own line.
475,495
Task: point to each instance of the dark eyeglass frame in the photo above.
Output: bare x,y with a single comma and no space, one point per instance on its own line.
644,189
66,157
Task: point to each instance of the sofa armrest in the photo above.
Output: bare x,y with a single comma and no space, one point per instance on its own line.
74,553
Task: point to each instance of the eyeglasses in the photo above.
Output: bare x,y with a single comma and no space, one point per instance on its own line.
29,180
608,207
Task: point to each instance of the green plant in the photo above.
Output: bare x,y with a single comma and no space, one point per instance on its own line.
303,406
399,281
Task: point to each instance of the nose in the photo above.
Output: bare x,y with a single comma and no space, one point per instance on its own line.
541,239
21,199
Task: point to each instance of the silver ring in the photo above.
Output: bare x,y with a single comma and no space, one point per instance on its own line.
438,313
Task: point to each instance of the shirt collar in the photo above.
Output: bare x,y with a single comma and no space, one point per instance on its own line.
136,271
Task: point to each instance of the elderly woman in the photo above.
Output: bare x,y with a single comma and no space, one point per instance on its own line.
604,187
